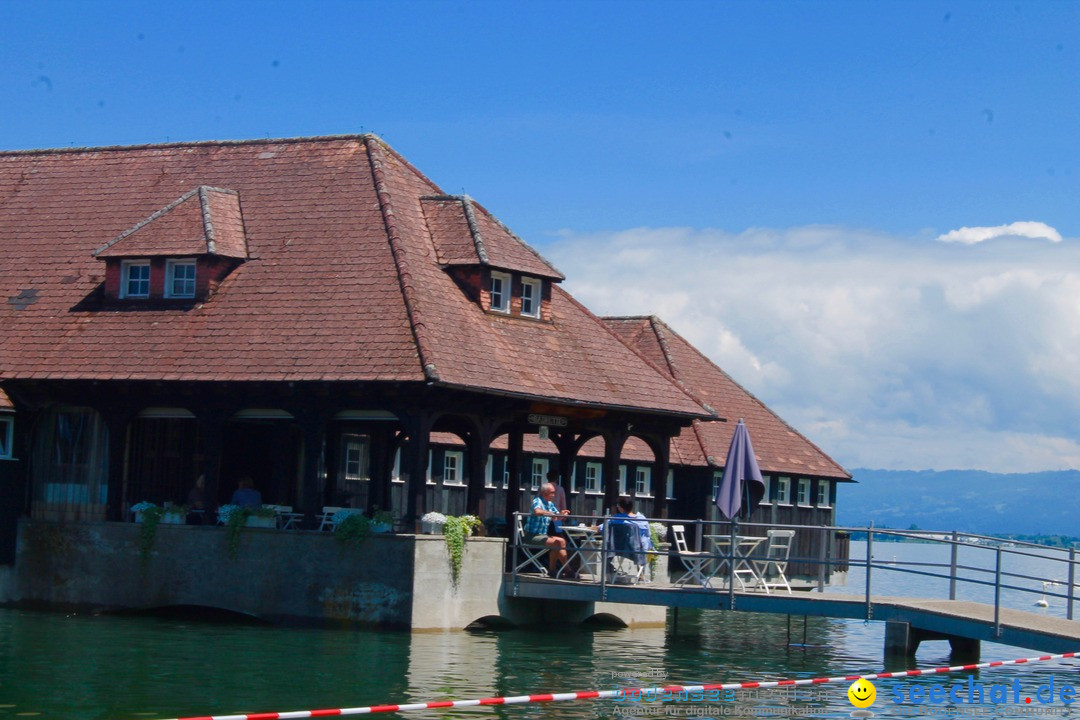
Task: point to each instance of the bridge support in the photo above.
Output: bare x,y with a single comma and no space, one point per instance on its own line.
902,639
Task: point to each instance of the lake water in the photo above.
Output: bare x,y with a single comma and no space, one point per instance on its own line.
59,666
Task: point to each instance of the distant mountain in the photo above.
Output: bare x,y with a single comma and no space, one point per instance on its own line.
968,500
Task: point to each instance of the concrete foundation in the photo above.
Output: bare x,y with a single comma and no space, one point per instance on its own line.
388,580
901,639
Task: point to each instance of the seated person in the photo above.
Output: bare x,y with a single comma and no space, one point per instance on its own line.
638,541
246,495
536,527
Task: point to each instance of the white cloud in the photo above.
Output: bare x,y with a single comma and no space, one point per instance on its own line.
972,235
888,352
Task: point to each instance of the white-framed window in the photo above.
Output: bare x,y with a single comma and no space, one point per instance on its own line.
430,465
622,480
506,473
453,468
180,278
593,473
643,482
500,292
7,437
395,474
530,297
803,495
539,472
356,458
135,279
823,487
670,485
717,476
489,472
766,497
783,490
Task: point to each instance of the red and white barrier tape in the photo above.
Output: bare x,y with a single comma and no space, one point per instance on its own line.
604,694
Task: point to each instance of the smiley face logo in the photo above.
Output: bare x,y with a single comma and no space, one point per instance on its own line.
862,693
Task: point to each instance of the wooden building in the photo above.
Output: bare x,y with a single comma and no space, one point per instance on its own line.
308,312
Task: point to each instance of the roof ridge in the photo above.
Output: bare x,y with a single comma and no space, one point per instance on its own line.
647,361
146,221
401,264
363,137
657,325
512,234
470,218
755,398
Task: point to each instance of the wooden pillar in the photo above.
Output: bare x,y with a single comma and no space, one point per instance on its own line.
116,422
211,430
478,445
312,465
382,467
662,465
613,445
414,462
513,490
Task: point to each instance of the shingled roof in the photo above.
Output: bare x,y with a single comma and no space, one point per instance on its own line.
343,282
778,446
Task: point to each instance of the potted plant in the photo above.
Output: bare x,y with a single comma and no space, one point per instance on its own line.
382,521
140,510
432,523
175,515
265,517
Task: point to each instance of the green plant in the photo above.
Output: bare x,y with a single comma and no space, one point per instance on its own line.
151,518
654,535
352,530
383,517
261,512
234,524
456,529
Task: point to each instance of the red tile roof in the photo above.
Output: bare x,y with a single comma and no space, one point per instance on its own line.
465,233
5,403
201,221
778,446
343,283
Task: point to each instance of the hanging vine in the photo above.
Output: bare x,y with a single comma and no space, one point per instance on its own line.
456,529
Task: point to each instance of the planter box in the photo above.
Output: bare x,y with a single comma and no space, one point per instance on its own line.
263,522
173,519
430,528
381,527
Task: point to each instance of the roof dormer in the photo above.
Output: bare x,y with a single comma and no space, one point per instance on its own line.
503,274
181,252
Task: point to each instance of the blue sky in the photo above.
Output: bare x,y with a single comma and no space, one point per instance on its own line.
778,181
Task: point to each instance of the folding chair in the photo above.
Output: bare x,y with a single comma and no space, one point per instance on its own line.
696,563
326,518
774,563
533,554
627,558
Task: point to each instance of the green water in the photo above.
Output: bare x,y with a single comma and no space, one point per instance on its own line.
74,666
91,667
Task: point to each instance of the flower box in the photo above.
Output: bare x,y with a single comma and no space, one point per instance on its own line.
261,521
173,518
431,528
381,527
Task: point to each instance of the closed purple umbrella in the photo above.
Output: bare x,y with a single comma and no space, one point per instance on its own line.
741,487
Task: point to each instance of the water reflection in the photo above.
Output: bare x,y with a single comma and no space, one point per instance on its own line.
122,668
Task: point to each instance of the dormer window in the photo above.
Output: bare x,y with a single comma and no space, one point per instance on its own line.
180,279
135,282
530,297
500,292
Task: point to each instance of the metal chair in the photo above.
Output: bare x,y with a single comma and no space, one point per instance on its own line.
696,562
533,554
326,518
774,563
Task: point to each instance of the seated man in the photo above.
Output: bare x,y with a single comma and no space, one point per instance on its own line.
246,495
536,527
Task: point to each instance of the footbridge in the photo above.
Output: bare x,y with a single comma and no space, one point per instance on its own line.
951,586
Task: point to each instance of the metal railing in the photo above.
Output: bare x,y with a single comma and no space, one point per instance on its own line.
998,570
